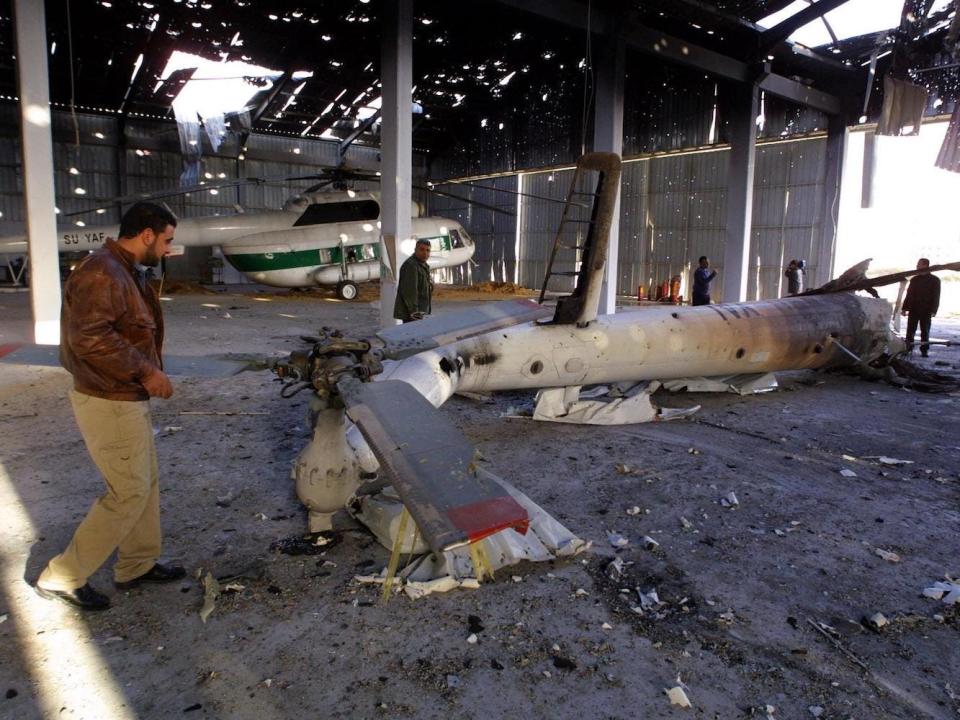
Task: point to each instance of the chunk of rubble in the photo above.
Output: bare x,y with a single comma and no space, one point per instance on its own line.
887,555
846,472
678,697
877,621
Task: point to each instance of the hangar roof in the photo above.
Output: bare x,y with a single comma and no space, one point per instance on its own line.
311,68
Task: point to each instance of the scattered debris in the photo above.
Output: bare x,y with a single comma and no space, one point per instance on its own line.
635,510
887,555
580,592
948,591
416,589
472,639
848,473
606,626
884,460
815,710
306,544
211,591
617,540
877,621
625,469
225,500
678,697
687,525
730,500
649,600
615,568
260,516
825,630
649,543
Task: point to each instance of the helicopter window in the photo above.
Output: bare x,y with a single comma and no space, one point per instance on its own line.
456,239
353,211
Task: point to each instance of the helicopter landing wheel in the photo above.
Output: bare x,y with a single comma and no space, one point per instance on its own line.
347,290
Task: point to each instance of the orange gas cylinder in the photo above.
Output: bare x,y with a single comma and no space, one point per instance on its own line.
675,289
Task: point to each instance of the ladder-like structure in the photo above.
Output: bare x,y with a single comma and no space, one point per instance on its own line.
580,307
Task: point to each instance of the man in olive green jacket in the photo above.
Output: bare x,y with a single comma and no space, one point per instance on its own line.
415,289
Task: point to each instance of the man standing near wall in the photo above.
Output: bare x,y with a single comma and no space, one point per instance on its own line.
920,305
111,339
414,289
702,277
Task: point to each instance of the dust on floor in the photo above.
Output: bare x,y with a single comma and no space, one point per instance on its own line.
740,587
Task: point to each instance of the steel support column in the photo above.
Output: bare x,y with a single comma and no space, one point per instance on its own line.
744,107
396,150
608,137
836,150
36,151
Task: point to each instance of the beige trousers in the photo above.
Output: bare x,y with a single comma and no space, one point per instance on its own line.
119,438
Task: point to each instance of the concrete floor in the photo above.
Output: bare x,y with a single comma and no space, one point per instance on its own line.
304,639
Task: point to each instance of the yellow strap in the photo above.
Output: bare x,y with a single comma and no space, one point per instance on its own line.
395,555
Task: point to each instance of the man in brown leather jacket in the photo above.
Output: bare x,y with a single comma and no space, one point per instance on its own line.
111,340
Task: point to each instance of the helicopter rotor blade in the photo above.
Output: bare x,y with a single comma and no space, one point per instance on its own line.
141,197
511,192
469,201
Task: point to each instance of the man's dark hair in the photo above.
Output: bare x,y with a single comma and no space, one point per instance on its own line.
144,215
422,241
925,261
702,258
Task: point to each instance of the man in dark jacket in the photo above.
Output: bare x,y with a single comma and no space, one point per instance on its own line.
111,340
920,305
415,289
702,277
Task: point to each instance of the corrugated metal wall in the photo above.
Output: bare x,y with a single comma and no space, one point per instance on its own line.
673,210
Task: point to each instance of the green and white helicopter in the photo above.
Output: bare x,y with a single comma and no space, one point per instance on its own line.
320,238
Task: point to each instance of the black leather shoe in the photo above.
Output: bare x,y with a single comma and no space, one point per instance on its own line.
157,574
83,598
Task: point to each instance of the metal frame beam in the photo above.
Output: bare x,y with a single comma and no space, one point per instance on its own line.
653,42
778,33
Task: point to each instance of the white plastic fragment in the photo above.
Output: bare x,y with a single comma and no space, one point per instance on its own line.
617,540
649,543
678,697
635,510
878,620
415,590
687,525
607,626
730,500
949,592
581,592
884,460
887,555
3,618
648,599
846,472
472,638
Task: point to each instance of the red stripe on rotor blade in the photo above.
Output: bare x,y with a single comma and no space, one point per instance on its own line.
482,519
9,348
